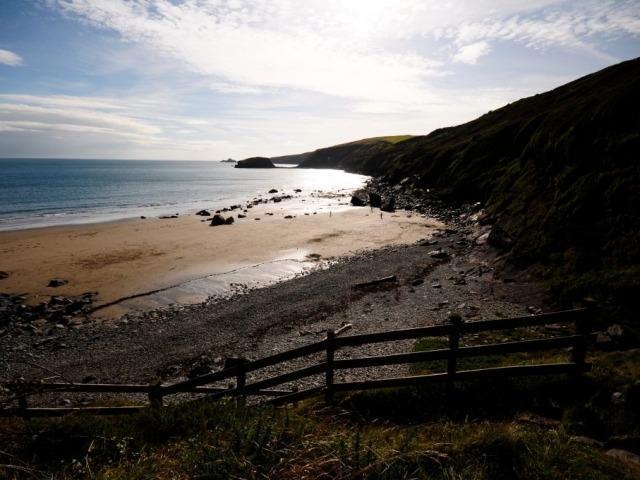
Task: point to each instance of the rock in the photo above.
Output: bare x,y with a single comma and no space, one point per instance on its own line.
217,220
288,216
500,238
143,217
273,190
57,283
389,205
417,281
204,213
229,220
375,200
256,218
170,371
199,371
627,459
482,239
439,254
3,275
255,162
297,190
357,201
241,216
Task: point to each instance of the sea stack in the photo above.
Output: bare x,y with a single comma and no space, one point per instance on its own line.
255,162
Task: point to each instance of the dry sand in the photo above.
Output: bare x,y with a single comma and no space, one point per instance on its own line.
133,257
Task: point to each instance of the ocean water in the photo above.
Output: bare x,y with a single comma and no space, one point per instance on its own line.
48,192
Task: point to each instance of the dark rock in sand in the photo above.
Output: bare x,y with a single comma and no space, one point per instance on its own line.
57,283
389,205
229,220
297,190
217,220
4,275
439,254
357,201
199,371
241,216
375,200
273,190
204,213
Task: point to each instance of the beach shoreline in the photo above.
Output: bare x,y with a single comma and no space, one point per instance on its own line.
184,260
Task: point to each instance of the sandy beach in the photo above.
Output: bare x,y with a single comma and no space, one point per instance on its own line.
134,257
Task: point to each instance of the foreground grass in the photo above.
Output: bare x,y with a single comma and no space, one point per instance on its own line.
507,429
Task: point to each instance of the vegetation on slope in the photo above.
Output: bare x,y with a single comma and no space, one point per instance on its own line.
348,155
507,429
559,174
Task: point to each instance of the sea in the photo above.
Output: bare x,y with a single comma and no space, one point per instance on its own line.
52,192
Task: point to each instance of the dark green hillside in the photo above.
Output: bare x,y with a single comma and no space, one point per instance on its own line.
353,155
559,172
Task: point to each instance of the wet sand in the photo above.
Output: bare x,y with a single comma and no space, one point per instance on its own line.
134,257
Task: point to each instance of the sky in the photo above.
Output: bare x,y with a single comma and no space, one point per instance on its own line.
217,79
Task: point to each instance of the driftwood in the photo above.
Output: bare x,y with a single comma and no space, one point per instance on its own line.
373,283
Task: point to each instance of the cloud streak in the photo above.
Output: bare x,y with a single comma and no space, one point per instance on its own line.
10,58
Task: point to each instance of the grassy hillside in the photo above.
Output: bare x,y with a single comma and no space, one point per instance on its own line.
559,173
352,155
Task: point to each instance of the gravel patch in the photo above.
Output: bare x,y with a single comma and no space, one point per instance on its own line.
165,345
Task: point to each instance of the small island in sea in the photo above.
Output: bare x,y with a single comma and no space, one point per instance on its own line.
229,160
255,162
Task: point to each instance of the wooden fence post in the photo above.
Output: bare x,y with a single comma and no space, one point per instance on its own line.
22,403
583,328
454,340
154,398
328,396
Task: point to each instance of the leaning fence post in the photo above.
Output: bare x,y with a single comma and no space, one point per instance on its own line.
454,340
328,397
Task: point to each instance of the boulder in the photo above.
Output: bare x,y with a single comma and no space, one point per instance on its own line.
204,213
4,275
357,201
375,200
57,283
217,220
273,190
229,220
389,205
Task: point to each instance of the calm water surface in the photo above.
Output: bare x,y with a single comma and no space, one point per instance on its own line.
39,193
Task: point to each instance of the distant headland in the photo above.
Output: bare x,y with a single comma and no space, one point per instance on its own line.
255,162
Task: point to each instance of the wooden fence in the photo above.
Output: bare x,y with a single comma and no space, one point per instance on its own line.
581,318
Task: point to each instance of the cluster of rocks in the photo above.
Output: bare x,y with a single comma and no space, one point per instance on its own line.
17,318
407,196
219,219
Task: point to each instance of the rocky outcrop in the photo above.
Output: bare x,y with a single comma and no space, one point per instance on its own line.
255,162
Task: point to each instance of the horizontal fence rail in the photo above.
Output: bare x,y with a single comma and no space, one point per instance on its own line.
239,367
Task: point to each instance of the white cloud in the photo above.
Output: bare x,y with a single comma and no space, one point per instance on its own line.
10,58
471,53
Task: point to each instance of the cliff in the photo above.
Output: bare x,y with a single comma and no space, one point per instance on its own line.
559,174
